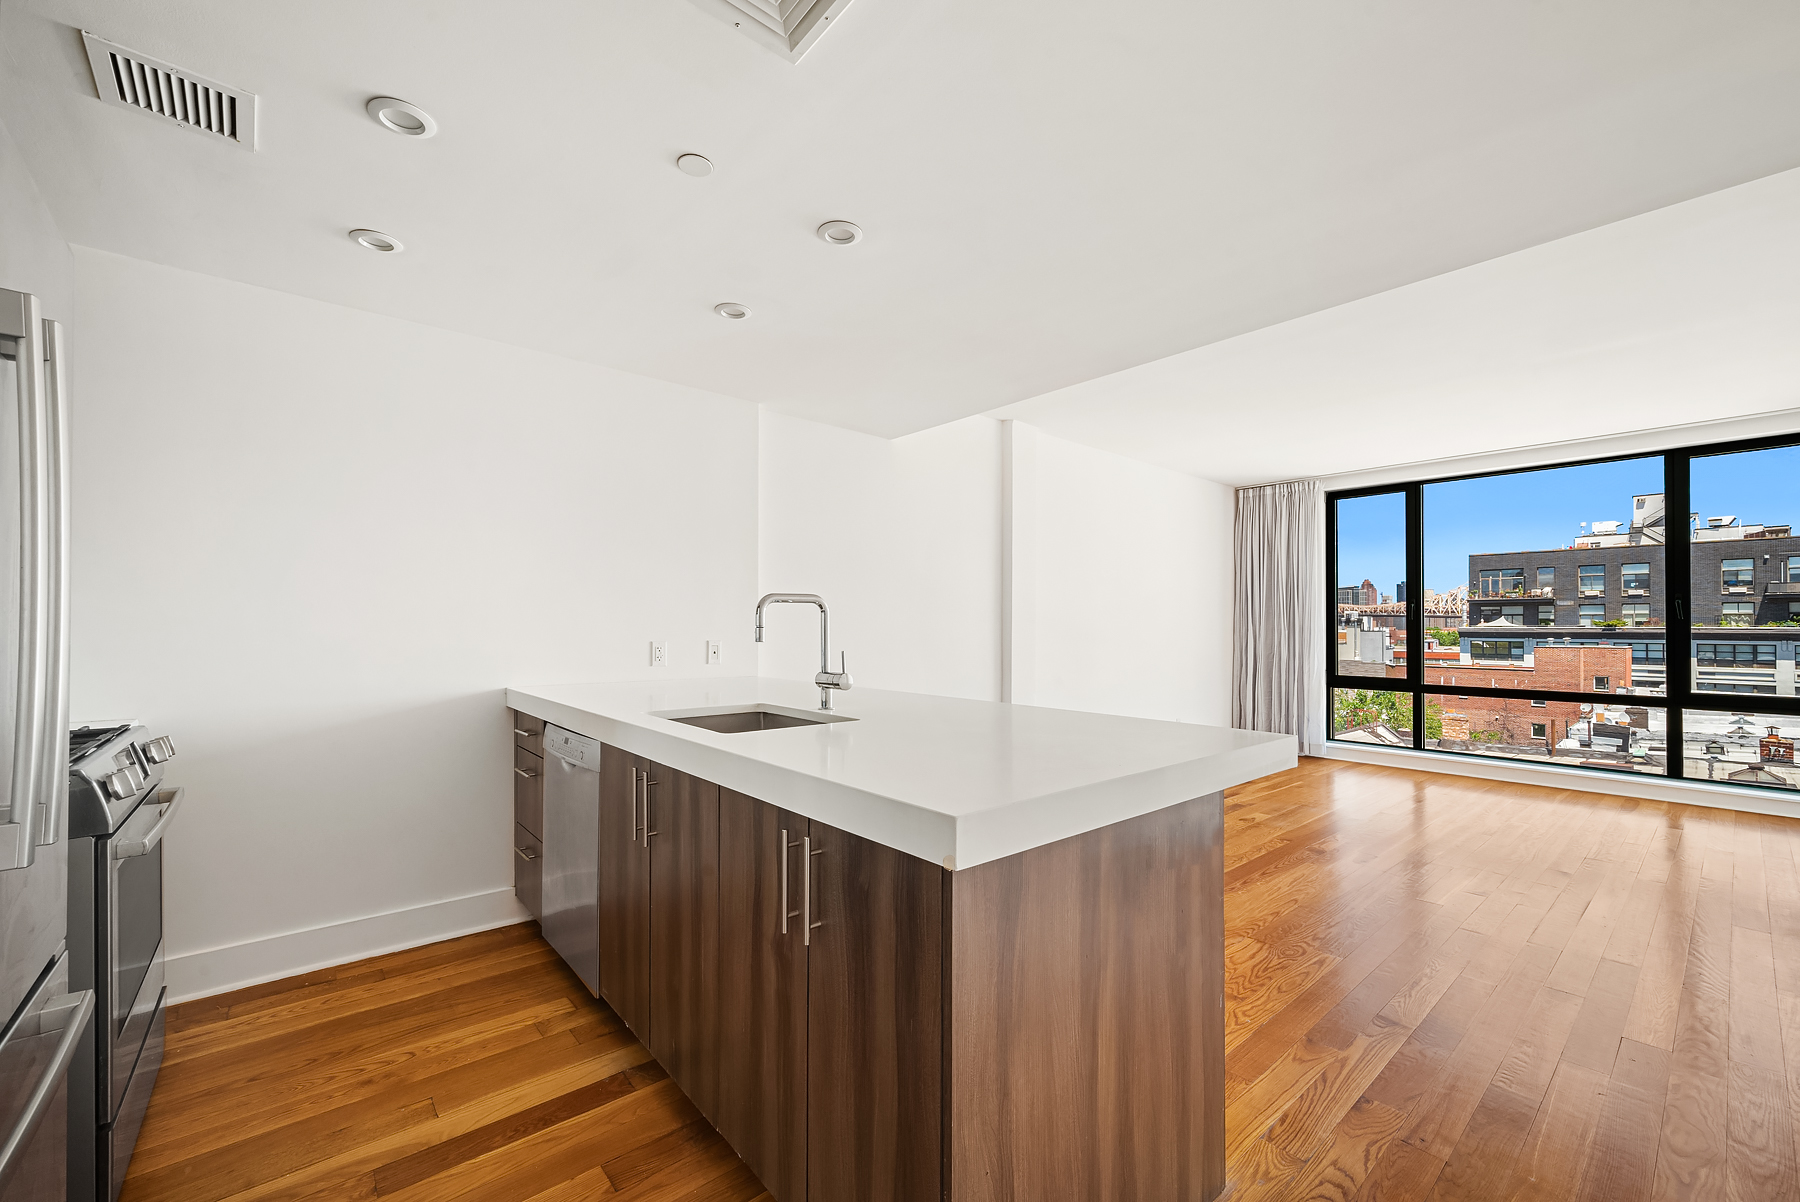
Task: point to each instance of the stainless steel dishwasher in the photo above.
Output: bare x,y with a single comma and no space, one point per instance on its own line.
571,919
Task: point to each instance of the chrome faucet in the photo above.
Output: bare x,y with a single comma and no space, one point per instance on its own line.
826,679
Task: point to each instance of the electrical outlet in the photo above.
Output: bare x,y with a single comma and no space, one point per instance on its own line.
659,655
712,653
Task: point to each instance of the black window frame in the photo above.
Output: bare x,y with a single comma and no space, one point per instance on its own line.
1680,693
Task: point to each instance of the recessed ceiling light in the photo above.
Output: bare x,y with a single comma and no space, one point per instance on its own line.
401,117
376,240
731,311
840,233
695,164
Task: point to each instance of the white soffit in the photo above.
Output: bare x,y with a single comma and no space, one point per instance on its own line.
788,27
1049,197
1682,316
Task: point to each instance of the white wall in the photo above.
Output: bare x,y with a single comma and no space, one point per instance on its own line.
1121,594
1121,583
901,538
314,544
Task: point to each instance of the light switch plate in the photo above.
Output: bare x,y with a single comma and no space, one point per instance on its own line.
659,655
712,653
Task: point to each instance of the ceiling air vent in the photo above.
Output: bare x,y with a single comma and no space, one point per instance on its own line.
137,81
788,27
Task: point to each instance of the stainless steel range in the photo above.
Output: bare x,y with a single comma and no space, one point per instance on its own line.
118,813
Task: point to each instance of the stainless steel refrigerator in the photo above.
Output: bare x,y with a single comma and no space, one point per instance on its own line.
43,1020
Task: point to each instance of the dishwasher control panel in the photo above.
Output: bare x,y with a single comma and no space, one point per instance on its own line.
577,749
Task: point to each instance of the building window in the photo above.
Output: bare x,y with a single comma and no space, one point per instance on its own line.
1602,684
1737,613
1591,579
1735,654
1737,575
1634,578
1793,569
1725,686
1546,615
1591,614
1537,730
1510,650
1646,653
1540,704
1501,582
1635,613
1513,613
1547,581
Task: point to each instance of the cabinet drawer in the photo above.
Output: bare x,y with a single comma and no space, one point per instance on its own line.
528,791
528,870
528,732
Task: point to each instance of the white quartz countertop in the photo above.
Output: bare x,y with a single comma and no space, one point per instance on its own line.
955,782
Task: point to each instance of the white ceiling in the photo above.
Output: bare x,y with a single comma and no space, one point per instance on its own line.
1052,192
1687,314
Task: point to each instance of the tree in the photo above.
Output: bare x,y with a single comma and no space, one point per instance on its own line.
1365,707
1445,638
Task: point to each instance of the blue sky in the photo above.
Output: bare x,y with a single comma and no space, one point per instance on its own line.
1530,511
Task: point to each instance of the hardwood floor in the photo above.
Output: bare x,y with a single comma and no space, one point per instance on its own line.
1437,988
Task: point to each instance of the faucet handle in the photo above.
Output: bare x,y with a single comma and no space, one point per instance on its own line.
835,680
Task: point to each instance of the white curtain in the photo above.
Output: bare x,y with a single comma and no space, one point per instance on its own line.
1278,624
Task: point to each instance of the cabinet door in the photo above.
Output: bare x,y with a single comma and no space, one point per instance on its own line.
762,993
528,791
874,1021
528,870
624,890
684,931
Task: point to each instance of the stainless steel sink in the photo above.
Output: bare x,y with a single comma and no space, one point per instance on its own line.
741,721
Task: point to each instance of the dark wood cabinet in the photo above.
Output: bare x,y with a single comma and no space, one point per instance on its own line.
762,1104
683,838
865,1026
624,871
874,1017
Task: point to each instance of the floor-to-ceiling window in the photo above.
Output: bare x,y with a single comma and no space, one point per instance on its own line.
1635,614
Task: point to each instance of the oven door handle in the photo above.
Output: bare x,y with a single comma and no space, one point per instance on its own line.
125,849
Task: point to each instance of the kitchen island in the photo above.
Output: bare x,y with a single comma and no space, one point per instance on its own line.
918,947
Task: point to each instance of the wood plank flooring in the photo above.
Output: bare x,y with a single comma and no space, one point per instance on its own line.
1437,988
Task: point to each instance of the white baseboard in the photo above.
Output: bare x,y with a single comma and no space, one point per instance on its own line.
1618,784
221,969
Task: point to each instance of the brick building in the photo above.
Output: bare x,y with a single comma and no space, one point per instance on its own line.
1520,723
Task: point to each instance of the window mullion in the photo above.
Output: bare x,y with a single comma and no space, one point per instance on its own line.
1678,649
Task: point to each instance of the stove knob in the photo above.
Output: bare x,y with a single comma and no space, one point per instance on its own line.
120,784
159,749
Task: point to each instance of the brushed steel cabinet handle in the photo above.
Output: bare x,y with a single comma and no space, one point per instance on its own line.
636,780
525,774
811,926
782,855
807,925
525,855
529,734
647,831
